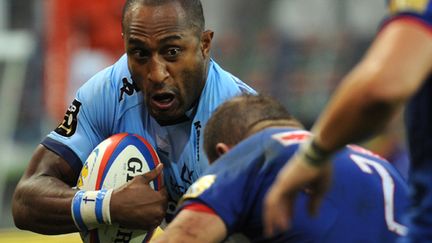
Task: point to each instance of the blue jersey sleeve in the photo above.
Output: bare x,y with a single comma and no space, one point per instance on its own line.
87,121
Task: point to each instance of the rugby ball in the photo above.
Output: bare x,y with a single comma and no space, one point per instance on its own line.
111,164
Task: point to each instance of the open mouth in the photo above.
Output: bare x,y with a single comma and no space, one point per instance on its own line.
163,100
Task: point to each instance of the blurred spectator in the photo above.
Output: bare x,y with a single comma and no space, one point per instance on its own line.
75,30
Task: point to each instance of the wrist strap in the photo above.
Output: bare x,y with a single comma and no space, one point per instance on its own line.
313,154
91,208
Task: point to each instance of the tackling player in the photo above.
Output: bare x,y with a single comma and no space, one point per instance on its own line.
365,202
395,71
164,88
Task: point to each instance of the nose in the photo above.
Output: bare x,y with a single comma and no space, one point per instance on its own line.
158,72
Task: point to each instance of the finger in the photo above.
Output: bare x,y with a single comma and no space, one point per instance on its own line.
159,168
162,181
276,221
160,178
164,192
277,213
268,220
316,198
314,204
153,174
321,187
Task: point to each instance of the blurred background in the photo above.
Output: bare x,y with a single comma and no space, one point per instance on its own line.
294,50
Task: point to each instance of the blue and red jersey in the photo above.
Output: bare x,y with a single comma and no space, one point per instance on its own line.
365,203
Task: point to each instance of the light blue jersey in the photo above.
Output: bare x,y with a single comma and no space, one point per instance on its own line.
110,103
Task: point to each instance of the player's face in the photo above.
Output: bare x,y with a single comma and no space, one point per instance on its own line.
167,59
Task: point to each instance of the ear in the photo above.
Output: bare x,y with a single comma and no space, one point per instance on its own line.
222,148
206,39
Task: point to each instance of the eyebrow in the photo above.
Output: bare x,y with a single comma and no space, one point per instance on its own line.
137,41
171,38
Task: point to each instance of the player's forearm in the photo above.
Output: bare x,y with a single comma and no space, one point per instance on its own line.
190,226
43,204
351,116
182,235
376,89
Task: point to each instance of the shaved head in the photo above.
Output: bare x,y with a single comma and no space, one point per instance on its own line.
238,118
192,8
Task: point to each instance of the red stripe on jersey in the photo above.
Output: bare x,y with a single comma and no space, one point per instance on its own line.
199,207
410,20
297,137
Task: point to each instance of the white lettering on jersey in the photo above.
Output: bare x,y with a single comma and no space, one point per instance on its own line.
366,166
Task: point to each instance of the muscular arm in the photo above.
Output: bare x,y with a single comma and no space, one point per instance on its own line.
191,226
42,199
393,69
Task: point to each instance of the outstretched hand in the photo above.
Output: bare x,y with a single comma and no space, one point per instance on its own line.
297,175
136,205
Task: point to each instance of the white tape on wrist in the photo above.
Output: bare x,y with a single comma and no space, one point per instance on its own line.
314,154
91,208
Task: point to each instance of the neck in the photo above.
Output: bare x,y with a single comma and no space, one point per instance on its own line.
273,123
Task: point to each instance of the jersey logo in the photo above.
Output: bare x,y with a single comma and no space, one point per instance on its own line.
199,187
290,138
186,175
177,189
68,127
418,6
197,126
82,176
127,88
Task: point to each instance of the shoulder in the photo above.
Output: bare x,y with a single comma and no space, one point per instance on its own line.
109,79
364,160
220,86
113,85
283,141
355,153
223,80
271,144
240,159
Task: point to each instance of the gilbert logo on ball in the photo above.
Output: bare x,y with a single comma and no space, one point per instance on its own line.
111,164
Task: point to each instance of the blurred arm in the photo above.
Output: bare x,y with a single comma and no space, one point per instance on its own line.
395,67
192,226
42,199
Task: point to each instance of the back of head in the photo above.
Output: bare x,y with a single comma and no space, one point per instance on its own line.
193,10
233,120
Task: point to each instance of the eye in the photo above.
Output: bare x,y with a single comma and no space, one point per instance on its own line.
140,54
172,52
